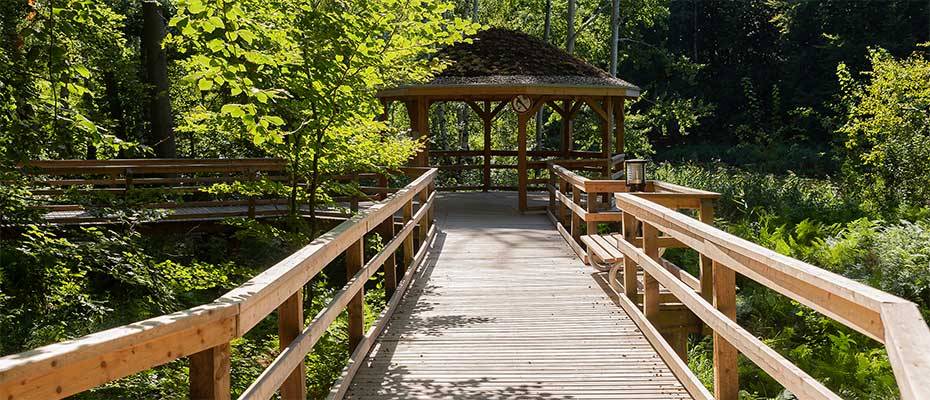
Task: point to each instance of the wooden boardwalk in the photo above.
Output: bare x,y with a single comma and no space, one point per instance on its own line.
504,310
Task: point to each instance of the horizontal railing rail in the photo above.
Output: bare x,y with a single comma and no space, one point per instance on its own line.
890,320
457,162
643,224
179,177
203,333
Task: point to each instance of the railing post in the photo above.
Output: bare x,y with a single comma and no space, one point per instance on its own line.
650,284
552,188
706,215
591,228
425,221
629,266
209,374
576,220
562,208
355,259
408,241
290,324
386,230
250,177
726,373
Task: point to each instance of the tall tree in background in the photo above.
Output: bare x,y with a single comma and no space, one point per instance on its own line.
156,72
570,27
541,114
614,35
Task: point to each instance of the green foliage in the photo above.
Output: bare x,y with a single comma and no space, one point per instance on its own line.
56,60
749,195
887,132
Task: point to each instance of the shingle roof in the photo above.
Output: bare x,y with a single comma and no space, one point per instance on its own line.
506,57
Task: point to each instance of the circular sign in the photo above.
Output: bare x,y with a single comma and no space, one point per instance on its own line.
521,103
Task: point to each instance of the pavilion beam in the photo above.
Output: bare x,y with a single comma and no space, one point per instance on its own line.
619,125
606,129
419,123
567,140
487,117
523,177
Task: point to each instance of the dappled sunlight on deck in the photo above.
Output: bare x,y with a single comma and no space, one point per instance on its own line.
504,310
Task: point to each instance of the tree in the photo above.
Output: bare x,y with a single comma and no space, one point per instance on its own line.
299,78
887,133
156,72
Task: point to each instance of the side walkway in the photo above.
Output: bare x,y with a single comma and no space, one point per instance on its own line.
504,310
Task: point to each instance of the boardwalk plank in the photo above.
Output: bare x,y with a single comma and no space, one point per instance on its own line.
504,310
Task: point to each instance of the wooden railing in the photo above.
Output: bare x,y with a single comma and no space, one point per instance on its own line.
457,161
179,177
651,223
203,333
579,205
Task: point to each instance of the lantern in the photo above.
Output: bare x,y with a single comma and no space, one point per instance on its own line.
635,174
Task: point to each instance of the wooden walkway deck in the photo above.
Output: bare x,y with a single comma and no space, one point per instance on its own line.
504,310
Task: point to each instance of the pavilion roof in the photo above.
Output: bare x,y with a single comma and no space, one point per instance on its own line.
504,59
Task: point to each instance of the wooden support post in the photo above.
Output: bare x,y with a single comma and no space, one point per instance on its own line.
290,324
726,372
591,228
562,208
386,230
209,374
706,215
553,186
576,220
355,259
629,266
620,118
424,223
606,129
418,111
567,141
650,284
408,241
521,159
487,119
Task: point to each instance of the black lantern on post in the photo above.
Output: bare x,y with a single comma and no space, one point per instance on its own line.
635,174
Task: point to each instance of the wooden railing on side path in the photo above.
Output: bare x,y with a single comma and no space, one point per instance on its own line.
650,223
578,205
184,177
203,333
454,162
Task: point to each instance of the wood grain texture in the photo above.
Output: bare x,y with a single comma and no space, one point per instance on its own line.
502,309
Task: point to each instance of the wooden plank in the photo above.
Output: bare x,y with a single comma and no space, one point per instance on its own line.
779,368
678,366
451,329
268,382
290,324
521,159
726,362
840,298
209,374
340,387
706,215
650,284
355,258
908,343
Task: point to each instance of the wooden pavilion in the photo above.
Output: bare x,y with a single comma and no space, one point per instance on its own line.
497,67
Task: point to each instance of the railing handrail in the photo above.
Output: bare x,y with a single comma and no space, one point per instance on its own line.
895,322
62,369
889,319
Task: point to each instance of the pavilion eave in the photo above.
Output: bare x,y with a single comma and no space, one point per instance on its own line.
497,91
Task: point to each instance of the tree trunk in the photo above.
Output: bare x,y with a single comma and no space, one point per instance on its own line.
155,64
614,36
570,31
540,115
474,11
